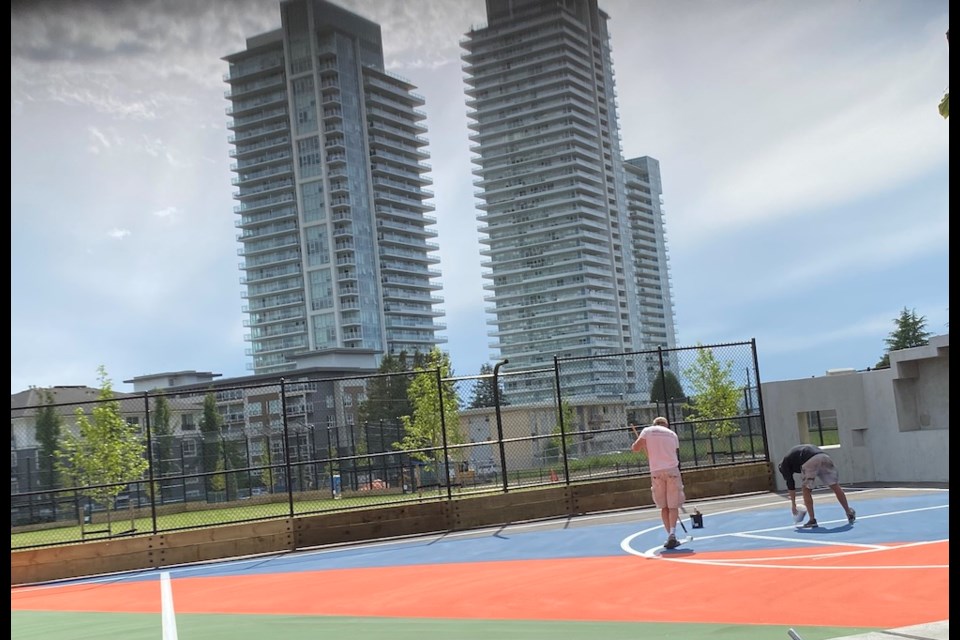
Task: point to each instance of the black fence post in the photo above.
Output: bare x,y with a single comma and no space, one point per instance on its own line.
445,441
150,456
286,444
667,413
496,407
183,473
763,424
693,443
563,431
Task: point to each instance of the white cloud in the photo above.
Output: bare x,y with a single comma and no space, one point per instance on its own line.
167,212
118,234
96,133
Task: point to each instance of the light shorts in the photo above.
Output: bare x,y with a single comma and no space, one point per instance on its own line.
667,489
819,466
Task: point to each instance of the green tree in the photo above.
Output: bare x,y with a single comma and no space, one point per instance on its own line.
910,331
483,392
49,425
211,426
162,436
666,387
554,447
106,450
422,429
716,395
386,395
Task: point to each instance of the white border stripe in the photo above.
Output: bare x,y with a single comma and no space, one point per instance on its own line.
167,617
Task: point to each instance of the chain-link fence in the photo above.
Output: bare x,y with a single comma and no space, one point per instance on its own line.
231,454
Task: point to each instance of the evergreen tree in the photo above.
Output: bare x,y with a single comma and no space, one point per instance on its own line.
910,331
211,425
386,395
483,392
666,388
162,436
49,424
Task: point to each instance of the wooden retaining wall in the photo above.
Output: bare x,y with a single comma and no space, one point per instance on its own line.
289,534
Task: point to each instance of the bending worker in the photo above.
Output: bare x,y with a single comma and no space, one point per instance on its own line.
812,463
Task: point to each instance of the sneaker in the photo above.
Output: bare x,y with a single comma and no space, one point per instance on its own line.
851,516
811,524
671,543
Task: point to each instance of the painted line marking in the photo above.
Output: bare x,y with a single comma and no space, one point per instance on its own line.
167,617
823,542
734,561
657,552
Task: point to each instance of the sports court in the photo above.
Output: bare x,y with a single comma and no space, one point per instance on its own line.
749,573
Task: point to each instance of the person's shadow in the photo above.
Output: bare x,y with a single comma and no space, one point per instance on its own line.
821,529
677,551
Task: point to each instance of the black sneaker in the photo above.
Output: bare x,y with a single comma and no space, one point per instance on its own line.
811,524
851,516
671,543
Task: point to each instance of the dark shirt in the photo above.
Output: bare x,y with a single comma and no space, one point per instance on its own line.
794,459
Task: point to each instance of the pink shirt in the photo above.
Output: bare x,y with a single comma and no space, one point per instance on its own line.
662,444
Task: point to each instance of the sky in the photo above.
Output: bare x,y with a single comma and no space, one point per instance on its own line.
803,159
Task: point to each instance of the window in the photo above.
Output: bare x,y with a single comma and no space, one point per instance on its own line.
821,427
308,156
187,423
13,459
189,448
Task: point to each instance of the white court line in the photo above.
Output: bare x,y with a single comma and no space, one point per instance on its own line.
823,542
167,618
734,561
655,552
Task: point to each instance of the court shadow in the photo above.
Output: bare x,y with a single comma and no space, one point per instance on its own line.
822,530
677,552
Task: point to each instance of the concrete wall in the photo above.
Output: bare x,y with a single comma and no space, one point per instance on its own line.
894,423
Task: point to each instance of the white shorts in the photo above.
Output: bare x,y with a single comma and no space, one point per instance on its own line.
667,489
819,466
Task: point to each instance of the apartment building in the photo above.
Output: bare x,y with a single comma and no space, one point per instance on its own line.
333,212
565,268
648,242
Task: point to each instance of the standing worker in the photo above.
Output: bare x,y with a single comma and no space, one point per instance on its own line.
812,463
662,447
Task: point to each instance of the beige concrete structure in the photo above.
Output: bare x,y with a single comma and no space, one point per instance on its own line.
894,424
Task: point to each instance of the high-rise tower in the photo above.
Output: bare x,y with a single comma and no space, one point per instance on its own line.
648,241
336,257
561,264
